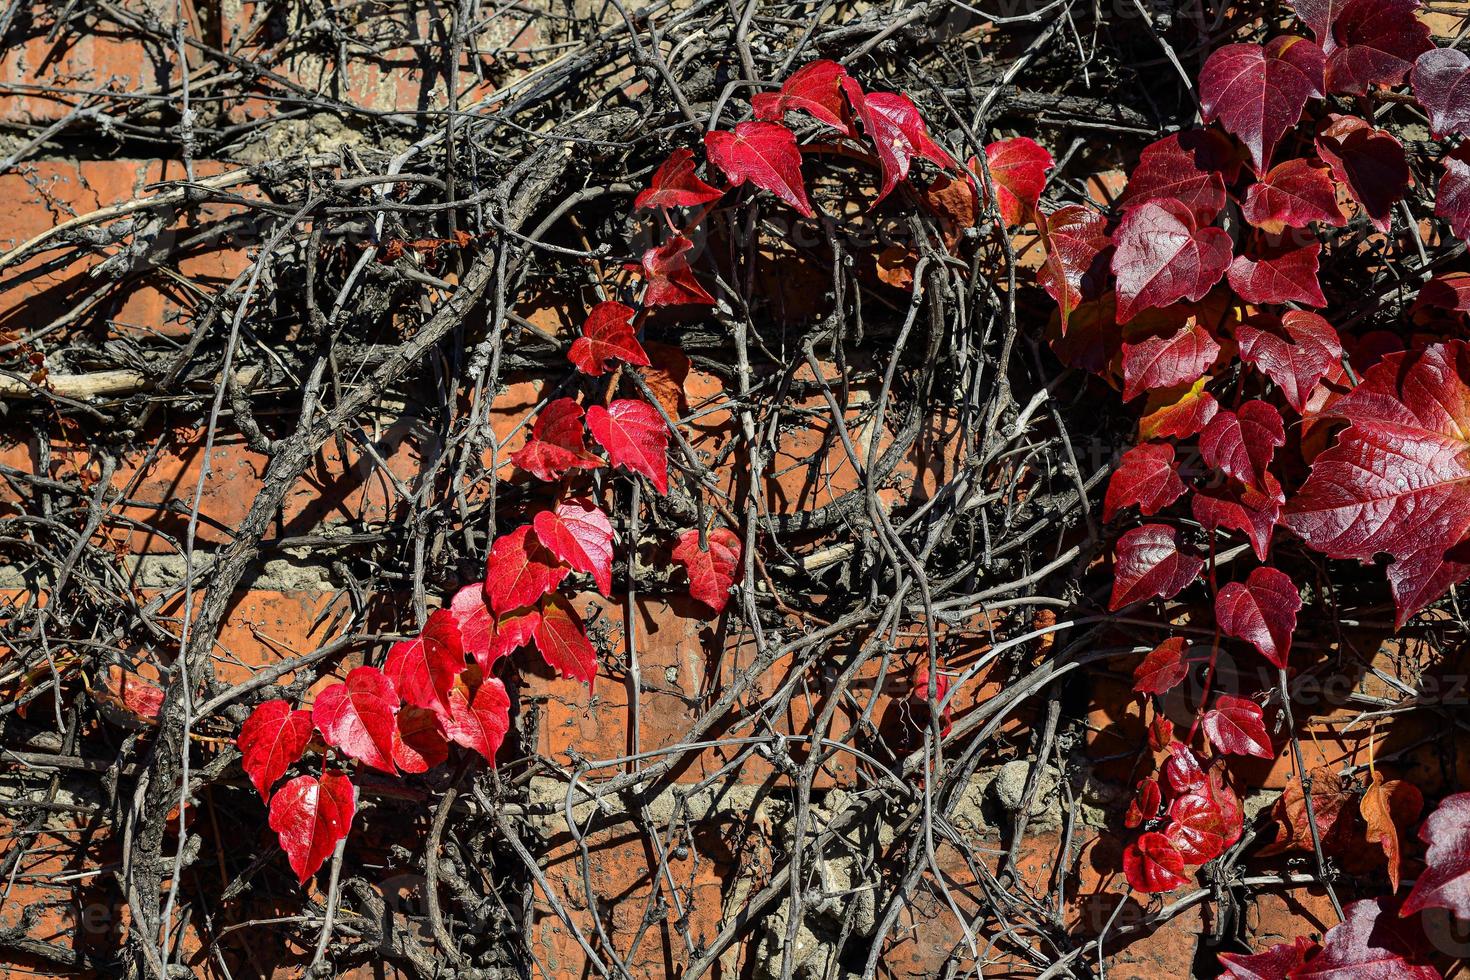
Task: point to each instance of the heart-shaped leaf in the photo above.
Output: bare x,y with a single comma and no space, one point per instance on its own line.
1369,162
479,715
1285,272
483,636
1076,242
563,642
764,153
815,89
1445,882
635,438
423,667
1242,443
420,743
1441,81
1196,828
520,570
1235,727
1258,91
1162,256
1295,350
1147,563
1371,943
607,336
1178,412
1163,668
1377,43
1276,963
579,533
1452,202
556,445
1189,167
897,132
356,716
1292,194
1018,169
675,185
1146,477
1246,509
1168,358
671,281
1153,864
712,570
1262,611
271,741
310,816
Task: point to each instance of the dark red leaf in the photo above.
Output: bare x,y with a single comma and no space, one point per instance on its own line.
556,444
1153,864
1441,80
1184,167
1276,963
1146,476
1445,882
422,668
310,816
1147,563
520,570
1161,256
1076,242
1369,162
356,716
1292,195
635,437
482,636
764,153
419,744
1182,770
1262,611
606,336
478,715
1281,273
1296,351
675,185
670,280
1241,444
712,571
896,129
563,642
1452,201
1448,291
1163,668
1377,43
1145,805
579,533
815,89
1163,360
1178,412
1196,828
1235,726
271,741
1258,91
1018,169
1370,943
1251,511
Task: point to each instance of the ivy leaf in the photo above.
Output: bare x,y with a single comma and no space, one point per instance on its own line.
1146,802
1369,162
484,637
1262,611
1153,864
607,336
419,744
1241,443
1196,828
1292,194
1163,360
1162,256
1076,242
675,185
1183,771
271,741
1377,43
1445,883
423,667
1147,563
1258,91
1163,668
635,438
520,570
1234,726
1178,412
579,533
563,642
764,153
1242,508
1146,476
1276,963
310,816
1330,806
1368,944
1452,201
670,280
1189,167
556,445
479,715
896,129
815,89
1285,272
1441,81
711,571
1383,806
1397,478
1295,350
1018,169
356,716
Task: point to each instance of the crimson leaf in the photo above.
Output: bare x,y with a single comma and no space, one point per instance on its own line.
1441,80
712,570
356,716
479,716
1452,201
1377,42
635,438
1234,726
270,742
1368,161
1370,943
670,280
1292,195
484,637
1241,443
1153,864
1296,351
310,816
1285,272
563,642
1445,882
1148,563
1146,476
896,129
1162,256
1242,508
422,668
764,153
579,533
815,89
1262,611
606,336
1165,359
520,570
1258,91
1076,242
1018,169
1276,963
556,444
419,744
1163,668
675,185
1188,167
1196,828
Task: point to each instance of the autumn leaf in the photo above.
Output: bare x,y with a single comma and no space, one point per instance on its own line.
1277,274
671,281
1234,726
1262,611
356,716
579,533
1076,243
815,89
1147,477
1147,563
1258,91
563,642
419,743
1293,194
310,816
1441,81
1383,806
1018,169
423,667
896,131
520,570
1296,350
556,445
1177,354
1445,882
1153,864
271,741
675,185
1369,162
1370,942
1162,256
711,570
1276,963
1452,201
1242,443
607,336
483,636
635,437
1196,828
1242,508
1163,668
1377,43
1189,168
478,715
764,153
1178,412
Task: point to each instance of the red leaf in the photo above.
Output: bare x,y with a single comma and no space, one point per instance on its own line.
1145,805
1185,167
1180,411
563,642
635,438
670,280
712,571
675,185
1241,444
356,716
310,816
1449,291
1167,359
896,129
1369,162
1183,771
1292,195
1195,828
556,444
1258,92
579,533
520,570
1147,563
1296,351
1319,16
1445,883
1441,80
1153,864
423,668
606,336
1163,668
1018,169
1370,943
1251,511
1377,42
1262,611
1146,476
1076,240
1276,963
270,742
1281,273
482,636
764,153
815,89
479,717
1161,256
1234,726
419,745
1396,480
1452,201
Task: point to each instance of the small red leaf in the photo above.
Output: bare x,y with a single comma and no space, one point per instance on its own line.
1145,805
815,89
1148,563
1369,162
422,668
712,571
1163,668
1445,882
520,570
1292,195
1196,828
479,716
1258,91
271,741
1276,963
1377,43
563,642
1241,444
482,636
310,816
896,129
1182,770
1296,351
675,185
606,336
1162,256
1189,168
635,437
1319,15
579,533
1262,611
764,153
556,444
1251,511
1164,360
1018,169
1441,80
419,745
1234,726
1153,864
356,716
670,280
1285,272
1146,476
1076,241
